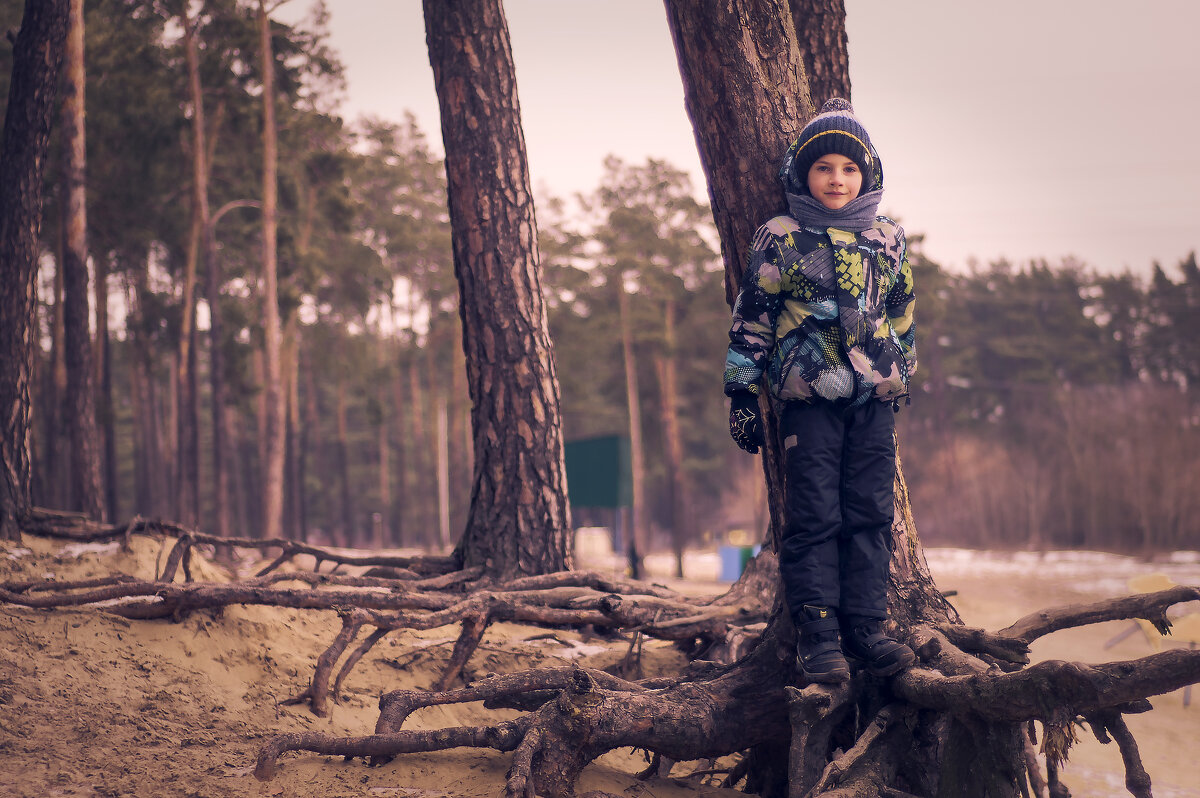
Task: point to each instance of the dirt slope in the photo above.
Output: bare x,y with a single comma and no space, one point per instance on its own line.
94,705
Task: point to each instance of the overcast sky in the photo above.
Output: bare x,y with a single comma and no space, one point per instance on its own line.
1022,129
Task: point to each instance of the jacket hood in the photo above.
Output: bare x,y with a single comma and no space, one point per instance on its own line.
796,183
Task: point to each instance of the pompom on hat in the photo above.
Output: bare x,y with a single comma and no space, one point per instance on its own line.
834,130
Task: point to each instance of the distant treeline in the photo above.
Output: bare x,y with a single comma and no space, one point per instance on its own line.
1054,406
1057,407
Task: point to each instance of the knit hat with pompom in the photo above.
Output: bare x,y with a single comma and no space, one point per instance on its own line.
835,130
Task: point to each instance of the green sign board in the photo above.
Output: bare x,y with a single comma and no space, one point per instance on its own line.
598,472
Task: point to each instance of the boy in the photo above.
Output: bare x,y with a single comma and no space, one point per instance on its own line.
826,313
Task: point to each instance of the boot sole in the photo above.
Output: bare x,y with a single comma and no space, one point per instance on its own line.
826,677
904,663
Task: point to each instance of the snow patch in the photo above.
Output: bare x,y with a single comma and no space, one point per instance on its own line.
80,549
574,649
1103,572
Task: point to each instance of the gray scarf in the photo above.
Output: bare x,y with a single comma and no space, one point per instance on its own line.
855,216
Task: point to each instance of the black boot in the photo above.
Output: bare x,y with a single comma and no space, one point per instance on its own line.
865,639
819,650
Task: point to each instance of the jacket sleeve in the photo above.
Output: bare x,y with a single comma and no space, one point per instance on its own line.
900,303
752,334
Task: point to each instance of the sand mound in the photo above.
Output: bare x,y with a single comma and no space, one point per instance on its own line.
95,705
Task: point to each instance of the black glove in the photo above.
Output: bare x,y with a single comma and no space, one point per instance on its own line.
745,421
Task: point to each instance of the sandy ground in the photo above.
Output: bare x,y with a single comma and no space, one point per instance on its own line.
94,705
994,590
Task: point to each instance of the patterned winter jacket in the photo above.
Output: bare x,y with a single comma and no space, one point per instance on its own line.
825,314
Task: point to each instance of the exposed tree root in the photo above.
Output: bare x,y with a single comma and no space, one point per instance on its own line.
959,723
74,527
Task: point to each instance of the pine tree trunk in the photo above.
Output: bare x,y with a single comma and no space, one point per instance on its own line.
221,442
37,60
748,99
291,372
272,519
308,435
58,449
342,459
677,483
821,31
241,475
382,525
636,539
216,381
420,466
402,509
104,395
519,520
87,492
187,474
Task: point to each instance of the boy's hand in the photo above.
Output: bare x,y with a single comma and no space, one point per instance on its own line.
745,421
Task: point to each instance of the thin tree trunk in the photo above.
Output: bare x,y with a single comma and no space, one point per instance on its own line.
405,447
821,31
681,506
383,524
289,364
141,474
419,464
519,521
255,499
342,459
272,384
308,434
42,424
443,473
189,460
104,396
221,444
58,445
87,492
240,474
216,380
170,445
636,538
37,59
187,451
460,441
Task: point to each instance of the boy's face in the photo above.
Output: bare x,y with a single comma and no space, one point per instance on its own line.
834,180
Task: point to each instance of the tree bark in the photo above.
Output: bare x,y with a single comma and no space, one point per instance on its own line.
104,392
821,31
187,450
519,521
636,543
292,485
37,60
58,467
748,98
420,466
87,493
677,481
342,459
272,510
216,367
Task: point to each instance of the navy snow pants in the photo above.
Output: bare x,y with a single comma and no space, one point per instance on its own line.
840,468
